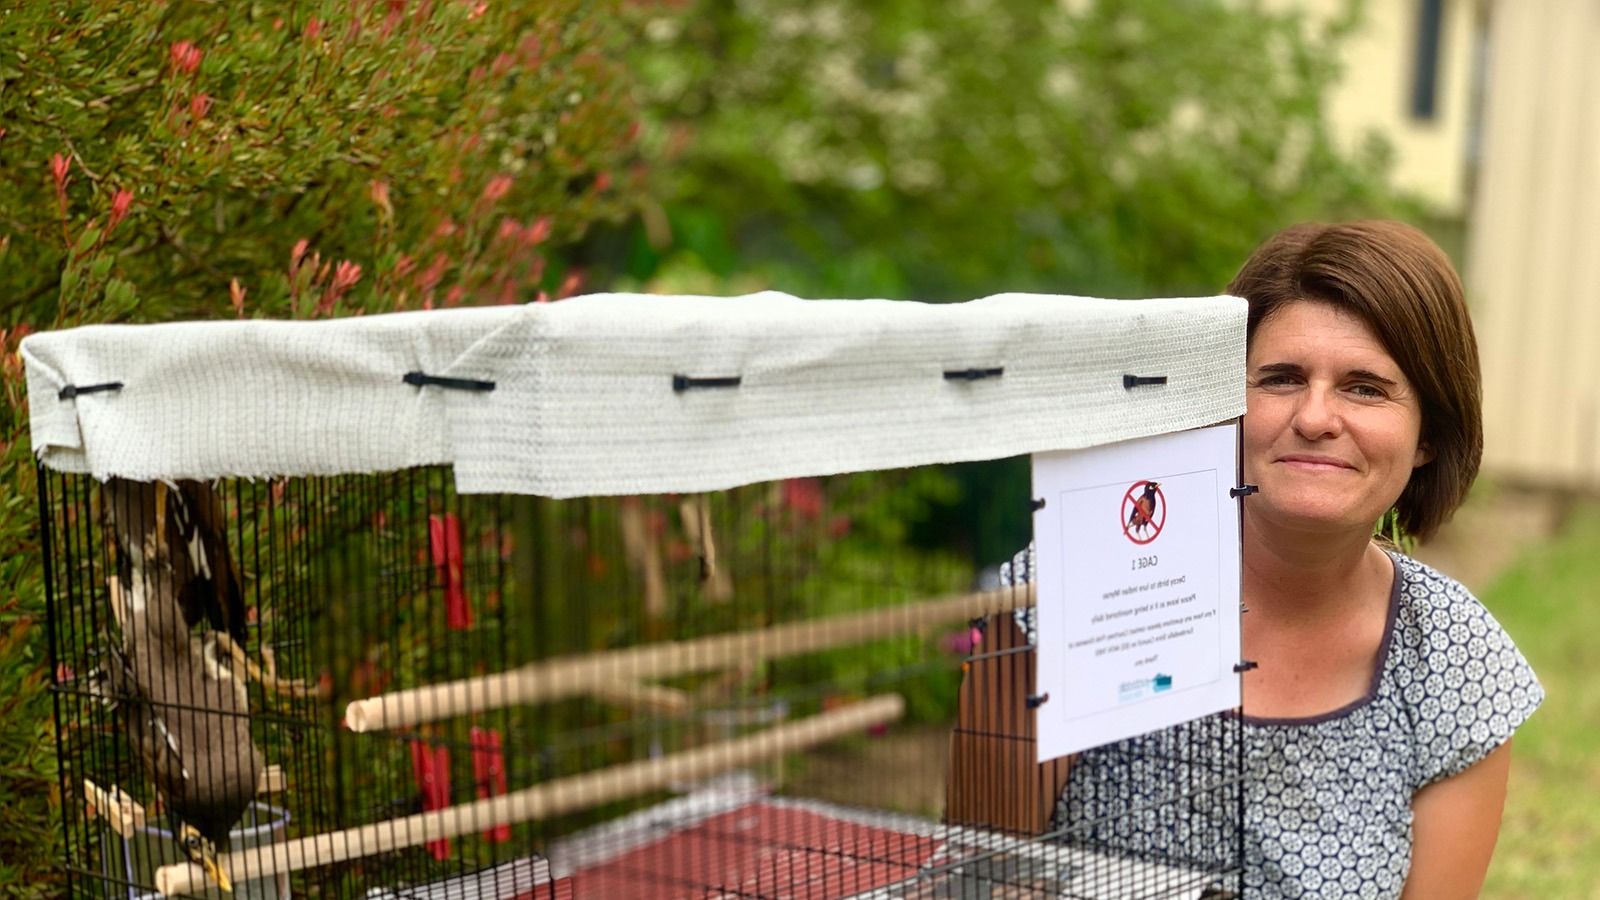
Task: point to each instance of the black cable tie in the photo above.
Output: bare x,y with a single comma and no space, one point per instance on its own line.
420,379
1036,504
1243,490
72,390
681,383
973,374
1037,700
1245,666
1129,382
980,622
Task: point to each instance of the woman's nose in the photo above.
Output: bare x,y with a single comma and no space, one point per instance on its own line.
1316,416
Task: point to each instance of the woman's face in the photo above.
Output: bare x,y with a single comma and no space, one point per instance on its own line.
1333,427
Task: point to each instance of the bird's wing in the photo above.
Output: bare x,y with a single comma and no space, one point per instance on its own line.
197,537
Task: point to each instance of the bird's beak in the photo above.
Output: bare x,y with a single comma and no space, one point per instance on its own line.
202,851
213,867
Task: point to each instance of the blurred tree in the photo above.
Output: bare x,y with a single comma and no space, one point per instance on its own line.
945,150
195,160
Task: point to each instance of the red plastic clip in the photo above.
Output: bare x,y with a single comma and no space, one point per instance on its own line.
444,540
431,766
489,770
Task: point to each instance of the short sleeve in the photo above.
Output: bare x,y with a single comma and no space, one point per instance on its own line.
1476,688
1017,572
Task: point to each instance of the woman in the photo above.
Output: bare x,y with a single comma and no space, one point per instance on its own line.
1378,721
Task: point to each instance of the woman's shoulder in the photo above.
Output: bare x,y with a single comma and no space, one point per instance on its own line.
1456,670
1435,610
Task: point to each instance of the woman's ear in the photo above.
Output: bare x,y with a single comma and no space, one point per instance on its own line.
1424,455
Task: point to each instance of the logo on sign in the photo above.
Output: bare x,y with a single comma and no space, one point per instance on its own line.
1144,511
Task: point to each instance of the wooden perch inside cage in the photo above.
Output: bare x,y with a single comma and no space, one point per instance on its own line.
593,673
542,801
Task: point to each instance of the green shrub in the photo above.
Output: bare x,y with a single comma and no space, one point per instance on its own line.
194,160
947,150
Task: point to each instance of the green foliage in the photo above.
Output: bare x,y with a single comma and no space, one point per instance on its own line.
1390,532
1545,600
176,160
421,152
945,150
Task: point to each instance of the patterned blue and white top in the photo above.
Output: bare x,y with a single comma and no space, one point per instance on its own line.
1327,798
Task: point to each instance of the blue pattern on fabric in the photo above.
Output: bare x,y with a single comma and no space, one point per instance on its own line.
1327,799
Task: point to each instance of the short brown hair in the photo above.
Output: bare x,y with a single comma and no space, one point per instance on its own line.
1395,279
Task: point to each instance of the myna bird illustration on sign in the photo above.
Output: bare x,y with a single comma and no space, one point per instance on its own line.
1145,506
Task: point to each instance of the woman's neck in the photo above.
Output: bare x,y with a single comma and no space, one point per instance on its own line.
1299,578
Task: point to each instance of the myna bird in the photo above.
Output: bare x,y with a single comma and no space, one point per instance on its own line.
190,729
188,525
1144,509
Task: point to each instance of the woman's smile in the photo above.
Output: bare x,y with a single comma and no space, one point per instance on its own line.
1304,462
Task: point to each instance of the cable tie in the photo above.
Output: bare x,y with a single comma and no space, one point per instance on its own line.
681,383
1243,490
1036,504
1129,382
1037,700
1245,666
973,374
421,379
72,390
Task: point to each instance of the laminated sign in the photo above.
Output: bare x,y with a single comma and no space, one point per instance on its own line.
1137,570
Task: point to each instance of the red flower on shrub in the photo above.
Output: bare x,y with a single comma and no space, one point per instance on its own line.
121,201
570,285
185,57
804,496
538,231
59,166
497,188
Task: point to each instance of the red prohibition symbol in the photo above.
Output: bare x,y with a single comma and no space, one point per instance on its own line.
1144,511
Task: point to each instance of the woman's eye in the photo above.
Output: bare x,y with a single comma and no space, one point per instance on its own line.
1368,391
1278,380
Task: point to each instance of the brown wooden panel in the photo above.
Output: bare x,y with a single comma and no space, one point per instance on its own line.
994,781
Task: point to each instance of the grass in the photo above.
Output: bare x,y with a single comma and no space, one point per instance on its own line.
1548,600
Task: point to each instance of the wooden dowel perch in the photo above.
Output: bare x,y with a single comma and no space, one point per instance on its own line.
121,812
542,801
637,695
576,675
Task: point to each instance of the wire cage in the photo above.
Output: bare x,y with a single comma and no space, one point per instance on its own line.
435,690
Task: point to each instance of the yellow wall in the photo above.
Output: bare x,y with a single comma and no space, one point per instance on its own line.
1375,91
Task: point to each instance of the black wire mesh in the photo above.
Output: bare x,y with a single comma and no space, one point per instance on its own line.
707,769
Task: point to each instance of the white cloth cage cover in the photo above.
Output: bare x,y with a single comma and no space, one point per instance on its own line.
584,399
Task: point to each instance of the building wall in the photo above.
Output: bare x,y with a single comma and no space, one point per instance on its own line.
1534,274
1375,93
